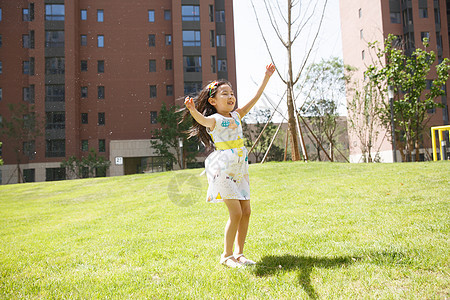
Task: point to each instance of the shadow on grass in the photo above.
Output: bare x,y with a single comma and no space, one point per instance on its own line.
271,265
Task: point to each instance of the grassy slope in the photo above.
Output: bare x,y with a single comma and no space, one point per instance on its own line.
318,230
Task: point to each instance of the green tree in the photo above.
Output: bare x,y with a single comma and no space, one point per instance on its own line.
324,88
21,130
408,75
167,137
92,165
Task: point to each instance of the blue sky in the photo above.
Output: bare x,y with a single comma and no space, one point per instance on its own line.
252,56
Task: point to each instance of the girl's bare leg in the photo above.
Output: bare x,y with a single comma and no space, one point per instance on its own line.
235,211
243,226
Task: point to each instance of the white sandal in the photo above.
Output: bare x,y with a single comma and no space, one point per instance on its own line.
230,261
247,261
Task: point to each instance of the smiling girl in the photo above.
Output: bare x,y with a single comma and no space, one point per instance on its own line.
217,122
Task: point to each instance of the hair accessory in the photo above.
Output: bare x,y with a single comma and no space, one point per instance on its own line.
212,86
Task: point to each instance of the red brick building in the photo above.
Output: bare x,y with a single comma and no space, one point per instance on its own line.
373,20
98,71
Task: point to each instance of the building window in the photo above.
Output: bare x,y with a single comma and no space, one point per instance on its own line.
221,40
151,40
167,15
394,11
55,148
1,67
439,40
423,13
83,14
99,15
1,14
29,149
25,15
212,38
153,117
31,6
84,118
395,18
55,120
100,41
213,64
151,16
424,35
26,67
152,65
54,39
26,94
84,66
54,93
191,38
31,66
153,91
1,43
220,16
54,174
31,93
100,66
54,65
101,146
168,39
25,41
191,88
31,39
84,92
101,92
211,13
192,63
169,90
168,65
84,145
407,17
1,94
54,12
190,13
409,40
101,118
222,65
83,40
29,175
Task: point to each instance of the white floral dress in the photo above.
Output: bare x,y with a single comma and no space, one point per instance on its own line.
227,167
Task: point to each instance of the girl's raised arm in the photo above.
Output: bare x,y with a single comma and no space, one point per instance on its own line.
209,122
270,69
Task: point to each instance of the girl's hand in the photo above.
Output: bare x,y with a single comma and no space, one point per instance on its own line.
270,69
189,102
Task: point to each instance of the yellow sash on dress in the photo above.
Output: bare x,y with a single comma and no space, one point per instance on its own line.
229,144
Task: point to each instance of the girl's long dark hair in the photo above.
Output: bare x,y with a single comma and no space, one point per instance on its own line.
205,108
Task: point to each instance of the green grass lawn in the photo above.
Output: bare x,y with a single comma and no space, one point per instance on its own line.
317,231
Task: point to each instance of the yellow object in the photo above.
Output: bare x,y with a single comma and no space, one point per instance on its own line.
440,130
229,144
218,196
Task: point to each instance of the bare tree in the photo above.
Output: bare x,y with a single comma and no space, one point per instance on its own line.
297,20
363,111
